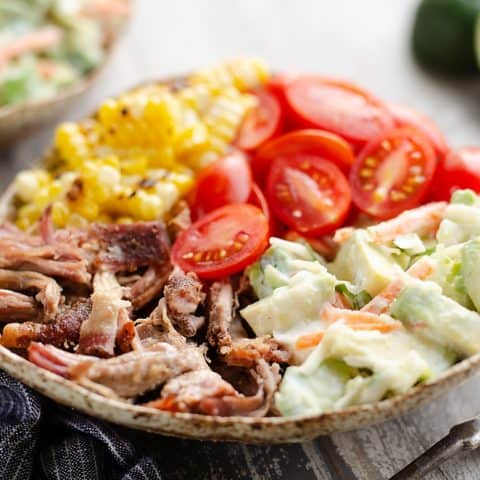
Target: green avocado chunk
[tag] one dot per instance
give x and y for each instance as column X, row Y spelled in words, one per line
column 424, row 310
column 364, row 264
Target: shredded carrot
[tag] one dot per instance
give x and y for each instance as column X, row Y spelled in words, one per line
column 358, row 320
column 47, row 68
column 107, row 8
column 309, row 340
column 423, row 220
column 421, row 269
column 42, row 39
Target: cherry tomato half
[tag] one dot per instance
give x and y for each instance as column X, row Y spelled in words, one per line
column 223, row 242
column 460, row 169
column 308, row 141
column 258, row 199
column 262, row 123
column 226, row 181
column 393, row 172
column 406, row 116
column 309, row 194
column 338, row 107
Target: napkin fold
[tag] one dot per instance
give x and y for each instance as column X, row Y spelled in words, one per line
column 42, row 440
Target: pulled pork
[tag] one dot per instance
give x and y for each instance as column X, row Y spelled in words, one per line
column 104, row 307
column 206, row 392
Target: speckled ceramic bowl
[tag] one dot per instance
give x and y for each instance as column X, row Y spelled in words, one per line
column 243, row 429
column 17, row 121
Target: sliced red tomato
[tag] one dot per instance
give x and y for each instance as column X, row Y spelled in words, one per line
column 406, row 116
column 393, row 172
column 320, row 143
column 460, row 169
column 226, row 181
column 258, row 199
column 307, row 193
column 262, row 123
column 338, row 107
column 223, row 242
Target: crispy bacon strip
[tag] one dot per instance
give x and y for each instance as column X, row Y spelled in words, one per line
column 99, row 331
column 53, row 359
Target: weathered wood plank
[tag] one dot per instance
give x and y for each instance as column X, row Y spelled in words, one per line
column 378, row 452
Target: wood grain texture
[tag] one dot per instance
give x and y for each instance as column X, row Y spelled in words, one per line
column 367, row 42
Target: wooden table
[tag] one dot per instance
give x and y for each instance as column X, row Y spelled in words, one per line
column 367, row 42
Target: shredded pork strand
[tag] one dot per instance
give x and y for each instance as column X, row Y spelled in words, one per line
column 221, row 313
column 183, row 295
column 149, row 286
column 17, row 307
column 99, row 331
column 135, row 373
column 206, row 392
column 49, row 291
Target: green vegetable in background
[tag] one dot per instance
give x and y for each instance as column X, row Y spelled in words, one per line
column 444, row 35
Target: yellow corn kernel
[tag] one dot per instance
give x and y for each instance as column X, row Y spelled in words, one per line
column 29, row 182
column 241, row 73
column 125, row 220
column 183, row 180
column 77, row 221
column 88, row 209
column 27, row 215
column 147, row 206
column 60, row 214
column 71, row 143
column 135, row 165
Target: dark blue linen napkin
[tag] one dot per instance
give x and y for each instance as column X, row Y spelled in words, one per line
column 42, row 440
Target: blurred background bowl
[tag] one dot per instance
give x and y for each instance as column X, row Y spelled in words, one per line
column 18, row 121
